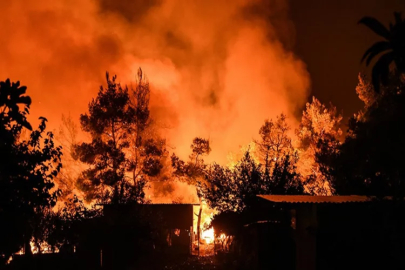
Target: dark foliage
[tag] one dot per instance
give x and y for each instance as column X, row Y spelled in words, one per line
column 228, row 222
column 371, row 159
column 274, row 143
column 147, row 149
column 227, row 189
column 29, row 165
column 123, row 153
column 192, row 171
column 393, row 48
column 109, row 122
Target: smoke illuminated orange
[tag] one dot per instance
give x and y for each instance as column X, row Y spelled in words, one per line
column 215, row 73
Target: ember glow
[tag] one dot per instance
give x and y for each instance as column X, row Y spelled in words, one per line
column 44, row 248
column 208, row 235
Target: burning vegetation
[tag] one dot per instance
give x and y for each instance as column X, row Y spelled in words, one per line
column 131, row 147
column 125, row 160
column 125, row 155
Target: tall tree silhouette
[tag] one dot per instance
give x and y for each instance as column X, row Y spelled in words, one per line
column 108, row 122
column 147, row 149
column 274, row 144
column 393, row 48
column 125, row 151
column 29, row 165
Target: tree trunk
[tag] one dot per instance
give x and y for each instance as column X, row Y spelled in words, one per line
column 199, row 228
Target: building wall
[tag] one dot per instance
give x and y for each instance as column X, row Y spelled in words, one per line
column 305, row 236
column 135, row 231
column 350, row 236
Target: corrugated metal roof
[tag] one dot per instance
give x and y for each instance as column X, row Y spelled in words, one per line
column 315, row 199
column 172, row 204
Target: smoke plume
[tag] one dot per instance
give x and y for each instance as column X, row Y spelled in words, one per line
column 217, row 69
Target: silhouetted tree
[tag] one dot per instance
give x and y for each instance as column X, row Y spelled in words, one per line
column 285, row 179
column 63, row 228
column 393, row 48
column 193, row 170
column 147, row 149
column 226, row 189
column 108, row 122
column 370, row 161
column 123, row 152
column 27, row 170
column 227, row 222
column 233, row 192
column 274, row 143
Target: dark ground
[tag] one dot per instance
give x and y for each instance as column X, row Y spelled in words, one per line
column 156, row 262
column 186, row 263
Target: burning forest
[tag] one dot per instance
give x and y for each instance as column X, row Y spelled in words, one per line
column 132, row 131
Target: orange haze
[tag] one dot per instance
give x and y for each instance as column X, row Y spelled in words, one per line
column 217, row 69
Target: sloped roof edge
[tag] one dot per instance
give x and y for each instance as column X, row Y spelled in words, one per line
column 315, row 199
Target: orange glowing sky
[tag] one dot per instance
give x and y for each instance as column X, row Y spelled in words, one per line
column 217, row 68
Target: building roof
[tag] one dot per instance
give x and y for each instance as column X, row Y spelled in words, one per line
column 315, row 199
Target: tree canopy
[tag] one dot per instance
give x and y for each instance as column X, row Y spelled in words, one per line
column 123, row 152
column 369, row 162
column 392, row 49
column 26, row 175
column 319, row 132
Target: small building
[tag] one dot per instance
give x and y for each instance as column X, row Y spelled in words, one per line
column 173, row 221
column 326, row 232
column 138, row 230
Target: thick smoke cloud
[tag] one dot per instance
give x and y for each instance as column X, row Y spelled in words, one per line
column 217, row 68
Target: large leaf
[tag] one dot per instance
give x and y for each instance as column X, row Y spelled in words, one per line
column 5, row 90
column 376, row 26
column 27, row 125
column 18, row 91
column 398, row 17
column 24, row 99
column 380, row 70
column 374, row 50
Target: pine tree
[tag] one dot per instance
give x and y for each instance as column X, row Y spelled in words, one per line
column 319, row 129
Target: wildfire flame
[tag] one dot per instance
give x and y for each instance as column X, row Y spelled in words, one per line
column 221, row 60
column 208, row 236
